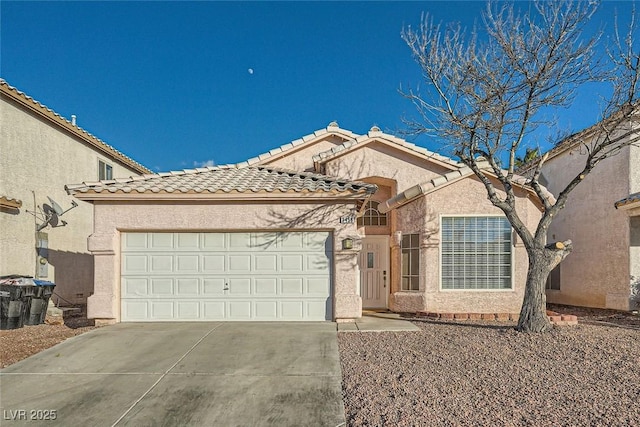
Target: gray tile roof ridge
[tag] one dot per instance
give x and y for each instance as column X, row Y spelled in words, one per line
column 67, row 122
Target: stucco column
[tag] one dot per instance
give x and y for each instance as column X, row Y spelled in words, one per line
column 103, row 304
column 348, row 302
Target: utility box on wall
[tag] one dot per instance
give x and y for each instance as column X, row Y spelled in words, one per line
column 42, row 249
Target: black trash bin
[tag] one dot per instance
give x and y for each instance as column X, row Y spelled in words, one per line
column 14, row 303
column 40, row 302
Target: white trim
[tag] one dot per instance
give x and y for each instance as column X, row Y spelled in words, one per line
column 440, row 289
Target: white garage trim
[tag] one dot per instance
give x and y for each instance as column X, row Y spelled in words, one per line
column 258, row 276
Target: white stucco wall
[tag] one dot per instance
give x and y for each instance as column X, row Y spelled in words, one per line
column 37, row 159
column 596, row 273
column 116, row 217
column 464, row 197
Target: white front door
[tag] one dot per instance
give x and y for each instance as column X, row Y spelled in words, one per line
column 374, row 271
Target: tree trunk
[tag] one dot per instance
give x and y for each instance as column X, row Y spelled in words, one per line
column 533, row 316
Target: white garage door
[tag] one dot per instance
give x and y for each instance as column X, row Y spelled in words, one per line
column 226, row 276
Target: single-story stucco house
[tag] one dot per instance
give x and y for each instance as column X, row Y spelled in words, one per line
column 318, row 229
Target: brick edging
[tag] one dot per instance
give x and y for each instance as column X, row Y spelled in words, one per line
column 555, row 318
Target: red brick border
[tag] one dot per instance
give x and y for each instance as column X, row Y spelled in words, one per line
column 555, row 318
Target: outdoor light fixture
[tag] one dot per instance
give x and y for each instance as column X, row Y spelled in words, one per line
column 347, row 243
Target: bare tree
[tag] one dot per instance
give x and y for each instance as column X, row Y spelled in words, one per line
column 487, row 92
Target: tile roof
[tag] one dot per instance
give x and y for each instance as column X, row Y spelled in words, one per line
column 632, row 199
column 331, row 129
column 376, row 134
column 56, row 118
column 439, row 182
column 224, row 179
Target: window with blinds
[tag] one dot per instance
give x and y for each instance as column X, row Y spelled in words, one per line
column 476, row 253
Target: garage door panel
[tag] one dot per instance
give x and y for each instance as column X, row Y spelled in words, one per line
column 267, row 286
column 291, row 263
column 161, row 309
column 292, row 286
column 160, row 264
column 293, row 241
column 239, row 310
column 318, row 241
column 317, row 309
column 188, row 310
column 135, row 310
column 239, row 286
column 292, row 310
column 135, row 241
column 161, row 241
column 213, row 310
column 239, row 241
column 188, row 264
column 317, row 263
column 266, row 263
column 213, row 263
column 239, row 263
column 226, row 276
column 187, row 241
column 214, row 242
column 213, row 287
column 266, row 310
column 132, row 264
column 162, row 287
column 318, row 286
column 188, row 287
column 134, row 286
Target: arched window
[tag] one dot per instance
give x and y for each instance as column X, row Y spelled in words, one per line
column 372, row 216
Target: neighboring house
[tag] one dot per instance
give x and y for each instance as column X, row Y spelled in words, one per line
column 601, row 218
column 317, row 229
column 40, row 152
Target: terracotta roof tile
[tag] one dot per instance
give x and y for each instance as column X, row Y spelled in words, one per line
column 225, row 179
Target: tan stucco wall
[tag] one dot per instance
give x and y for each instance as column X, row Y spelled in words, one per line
column 116, row 217
column 376, row 159
column 596, row 273
column 464, row 197
column 39, row 158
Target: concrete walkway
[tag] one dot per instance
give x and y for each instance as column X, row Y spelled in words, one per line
column 176, row 374
column 372, row 321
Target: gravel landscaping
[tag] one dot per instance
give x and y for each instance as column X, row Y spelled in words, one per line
column 474, row 373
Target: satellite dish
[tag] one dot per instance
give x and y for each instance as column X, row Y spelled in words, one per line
column 56, row 207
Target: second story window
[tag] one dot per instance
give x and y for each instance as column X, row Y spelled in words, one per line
column 372, row 215
column 105, row 170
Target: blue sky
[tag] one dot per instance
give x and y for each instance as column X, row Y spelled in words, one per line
column 169, row 83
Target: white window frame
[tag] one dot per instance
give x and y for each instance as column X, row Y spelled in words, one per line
column 106, row 166
column 511, row 289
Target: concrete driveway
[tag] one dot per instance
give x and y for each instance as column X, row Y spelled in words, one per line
column 174, row 374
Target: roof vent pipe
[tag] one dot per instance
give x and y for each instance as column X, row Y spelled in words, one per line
column 73, row 119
